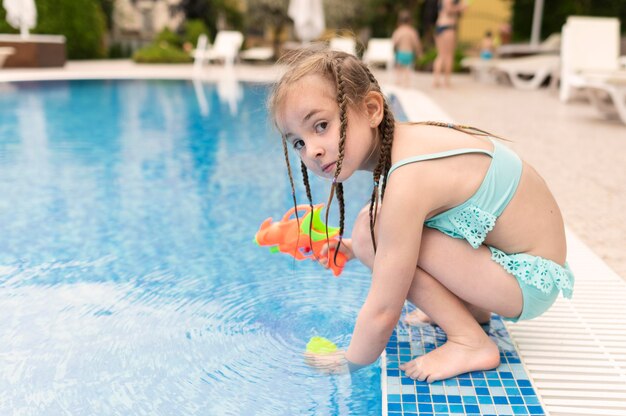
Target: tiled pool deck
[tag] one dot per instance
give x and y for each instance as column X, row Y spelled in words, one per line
column 506, row 390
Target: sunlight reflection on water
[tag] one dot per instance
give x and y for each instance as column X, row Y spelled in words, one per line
column 129, row 282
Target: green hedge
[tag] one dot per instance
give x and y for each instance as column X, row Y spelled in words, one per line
column 193, row 29
column 81, row 21
column 425, row 63
column 159, row 53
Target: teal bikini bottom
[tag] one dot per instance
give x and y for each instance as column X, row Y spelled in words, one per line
column 540, row 280
column 405, row 58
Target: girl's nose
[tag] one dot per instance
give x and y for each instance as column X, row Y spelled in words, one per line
column 316, row 152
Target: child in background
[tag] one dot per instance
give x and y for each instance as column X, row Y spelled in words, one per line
column 487, row 46
column 457, row 223
column 407, row 46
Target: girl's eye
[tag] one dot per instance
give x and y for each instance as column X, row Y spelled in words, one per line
column 298, row 144
column 321, row 127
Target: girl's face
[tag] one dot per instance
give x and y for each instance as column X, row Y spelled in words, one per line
column 309, row 119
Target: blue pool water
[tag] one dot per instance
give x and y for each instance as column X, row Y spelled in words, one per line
column 129, row 282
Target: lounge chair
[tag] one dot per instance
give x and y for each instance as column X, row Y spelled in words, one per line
column 551, row 45
column 530, row 72
column 589, row 51
column 257, row 54
column 5, row 52
column 527, row 72
column 607, row 93
column 225, row 48
column 347, row 45
column 379, row 51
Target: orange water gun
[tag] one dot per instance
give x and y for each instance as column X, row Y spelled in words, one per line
column 287, row 236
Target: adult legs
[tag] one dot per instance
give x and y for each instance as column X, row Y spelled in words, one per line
column 438, row 63
column 447, row 42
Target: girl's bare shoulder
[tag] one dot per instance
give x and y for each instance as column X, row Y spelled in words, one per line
column 421, row 139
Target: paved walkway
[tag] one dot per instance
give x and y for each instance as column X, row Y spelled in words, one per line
column 580, row 155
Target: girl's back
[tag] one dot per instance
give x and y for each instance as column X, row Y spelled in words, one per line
column 531, row 222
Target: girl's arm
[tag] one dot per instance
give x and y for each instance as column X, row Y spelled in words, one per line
column 407, row 204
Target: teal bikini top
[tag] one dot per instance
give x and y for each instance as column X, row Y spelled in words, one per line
column 474, row 218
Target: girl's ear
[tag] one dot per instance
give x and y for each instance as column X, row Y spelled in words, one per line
column 375, row 108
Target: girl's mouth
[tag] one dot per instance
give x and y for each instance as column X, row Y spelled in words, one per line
column 329, row 167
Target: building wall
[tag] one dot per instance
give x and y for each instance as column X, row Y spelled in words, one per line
column 483, row 15
column 142, row 19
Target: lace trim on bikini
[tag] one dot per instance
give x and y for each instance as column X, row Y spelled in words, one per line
column 473, row 224
column 540, row 273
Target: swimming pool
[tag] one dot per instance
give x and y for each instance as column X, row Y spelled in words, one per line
column 129, row 282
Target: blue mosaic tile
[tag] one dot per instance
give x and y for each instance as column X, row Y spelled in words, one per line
column 505, row 391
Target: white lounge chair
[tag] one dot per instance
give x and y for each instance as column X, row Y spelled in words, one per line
column 607, row 93
column 551, row 45
column 347, row 45
column 527, row 72
column 590, row 47
column 5, row 52
column 530, row 72
column 225, row 48
column 257, row 54
column 379, row 51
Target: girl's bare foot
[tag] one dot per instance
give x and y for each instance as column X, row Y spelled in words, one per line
column 454, row 358
column 416, row 318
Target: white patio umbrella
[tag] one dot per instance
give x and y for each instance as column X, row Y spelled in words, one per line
column 308, row 18
column 535, row 36
column 21, row 14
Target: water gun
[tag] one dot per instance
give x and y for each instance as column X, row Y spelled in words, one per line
column 286, row 236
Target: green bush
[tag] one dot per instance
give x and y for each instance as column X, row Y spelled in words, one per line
column 169, row 37
column 162, row 52
column 193, row 29
column 82, row 22
column 425, row 63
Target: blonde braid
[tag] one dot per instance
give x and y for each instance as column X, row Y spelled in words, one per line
column 385, row 130
column 463, row 129
column 291, row 183
column 307, row 187
column 337, row 188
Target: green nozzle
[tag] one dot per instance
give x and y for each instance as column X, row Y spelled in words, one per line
column 319, row 228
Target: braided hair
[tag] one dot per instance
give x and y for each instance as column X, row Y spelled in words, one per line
column 352, row 81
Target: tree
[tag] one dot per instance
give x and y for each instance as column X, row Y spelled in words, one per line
column 556, row 12
column 82, row 22
column 272, row 13
column 209, row 10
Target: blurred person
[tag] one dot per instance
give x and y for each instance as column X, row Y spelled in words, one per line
column 407, row 46
column 445, row 38
column 487, row 46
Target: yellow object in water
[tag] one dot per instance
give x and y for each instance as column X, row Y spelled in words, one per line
column 320, row 345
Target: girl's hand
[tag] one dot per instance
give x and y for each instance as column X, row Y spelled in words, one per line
column 328, row 363
column 346, row 248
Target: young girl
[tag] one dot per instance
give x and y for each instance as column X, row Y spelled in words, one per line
column 466, row 227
